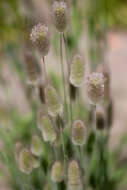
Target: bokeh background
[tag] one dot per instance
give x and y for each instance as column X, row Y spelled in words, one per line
column 98, row 30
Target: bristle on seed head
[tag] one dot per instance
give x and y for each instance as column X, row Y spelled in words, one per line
column 57, row 172
column 95, row 87
column 60, row 15
column 40, row 38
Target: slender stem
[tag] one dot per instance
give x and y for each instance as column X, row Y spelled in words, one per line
column 71, row 113
column 77, row 97
column 62, row 141
column 62, row 70
column 65, row 44
column 54, row 151
column 45, row 70
column 68, row 67
column 94, row 118
column 80, row 156
column 82, row 152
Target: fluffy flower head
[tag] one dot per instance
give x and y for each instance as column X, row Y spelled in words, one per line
column 60, row 15
column 40, row 38
column 95, row 87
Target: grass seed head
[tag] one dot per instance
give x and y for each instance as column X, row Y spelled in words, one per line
column 77, row 71
column 78, row 133
column 40, row 38
column 47, row 128
column 36, row 145
column 25, row 161
column 60, row 15
column 95, row 87
column 74, row 175
column 53, row 103
column 57, row 172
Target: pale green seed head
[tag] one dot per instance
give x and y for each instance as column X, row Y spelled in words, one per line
column 74, row 178
column 57, row 172
column 53, row 103
column 78, row 133
column 36, row 145
column 47, row 128
column 77, row 71
column 25, row 161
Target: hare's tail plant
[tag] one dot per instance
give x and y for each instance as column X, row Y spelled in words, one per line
column 77, row 153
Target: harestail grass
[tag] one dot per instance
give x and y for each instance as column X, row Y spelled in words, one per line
column 66, row 145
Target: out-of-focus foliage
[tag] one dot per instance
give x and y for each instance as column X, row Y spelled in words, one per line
column 10, row 20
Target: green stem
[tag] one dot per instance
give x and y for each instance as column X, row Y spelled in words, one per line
column 77, row 97
column 80, row 156
column 94, row 118
column 62, row 140
column 45, row 70
column 54, row 151
column 68, row 67
column 66, row 47
column 62, row 71
column 81, row 152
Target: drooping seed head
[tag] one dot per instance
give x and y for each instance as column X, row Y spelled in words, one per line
column 53, row 103
column 40, row 38
column 36, row 145
column 47, row 128
column 35, row 161
column 32, row 76
column 25, row 161
column 78, row 133
column 77, row 71
column 57, row 172
column 95, row 87
column 74, row 176
column 60, row 15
